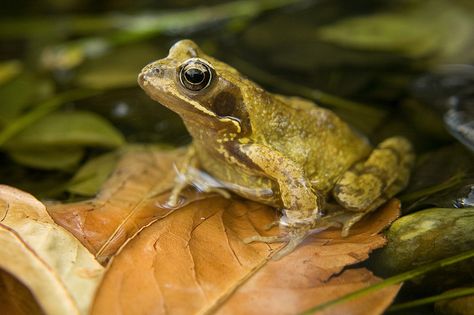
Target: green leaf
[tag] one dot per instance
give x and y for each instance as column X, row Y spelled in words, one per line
column 93, row 174
column 49, row 158
column 67, row 129
column 16, row 125
column 19, row 93
column 425, row 28
column 103, row 72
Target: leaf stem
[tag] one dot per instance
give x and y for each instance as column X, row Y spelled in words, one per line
column 393, row 280
column 443, row 296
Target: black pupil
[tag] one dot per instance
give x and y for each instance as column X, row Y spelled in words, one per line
column 194, row 76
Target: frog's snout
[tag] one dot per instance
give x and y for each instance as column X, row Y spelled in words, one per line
column 148, row 73
column 141, row 79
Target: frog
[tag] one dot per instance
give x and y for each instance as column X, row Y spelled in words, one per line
column 283, row 151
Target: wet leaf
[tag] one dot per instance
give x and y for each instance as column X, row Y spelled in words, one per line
column 439, row 28
column 61, row 274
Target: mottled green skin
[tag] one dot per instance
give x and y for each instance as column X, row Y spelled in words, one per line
column 283, row 151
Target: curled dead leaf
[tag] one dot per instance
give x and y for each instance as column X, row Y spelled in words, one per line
column 60, row 273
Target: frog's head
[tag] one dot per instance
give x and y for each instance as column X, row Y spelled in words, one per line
column 201, row 89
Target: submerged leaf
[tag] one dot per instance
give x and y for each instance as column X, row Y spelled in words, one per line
column 61, row 274
column 436, row 27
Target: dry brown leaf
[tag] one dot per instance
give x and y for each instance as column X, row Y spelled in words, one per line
column 59, row 272
column 195, row 262
column 306, row 277
column 133, row 196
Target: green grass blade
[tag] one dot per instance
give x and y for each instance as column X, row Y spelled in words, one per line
column 443, row 296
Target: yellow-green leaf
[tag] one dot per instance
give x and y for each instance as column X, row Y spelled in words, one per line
column 75, row 128
column 425, row 28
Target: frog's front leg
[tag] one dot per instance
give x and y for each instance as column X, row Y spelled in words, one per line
column 370, row 183
column 302, row 205
column 187, row 173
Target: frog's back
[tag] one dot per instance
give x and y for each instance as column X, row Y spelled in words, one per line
column 312, row 136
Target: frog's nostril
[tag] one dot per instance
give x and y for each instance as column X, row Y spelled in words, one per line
column 155, row 71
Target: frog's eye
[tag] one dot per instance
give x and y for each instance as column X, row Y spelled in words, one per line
column 195, row 75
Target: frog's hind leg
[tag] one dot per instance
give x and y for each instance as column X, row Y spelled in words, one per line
column 370, row 183
column 292, row 242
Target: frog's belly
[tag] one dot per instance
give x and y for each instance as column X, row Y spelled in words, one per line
column 263, row 192
column 243, row 182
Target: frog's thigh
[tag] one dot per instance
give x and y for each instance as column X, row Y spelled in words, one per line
column 382, row 175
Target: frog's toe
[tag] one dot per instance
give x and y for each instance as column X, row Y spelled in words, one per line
column 347, row 225
column 293, row 242
column 266, row 239
column 271, row 225
column 172, row 200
